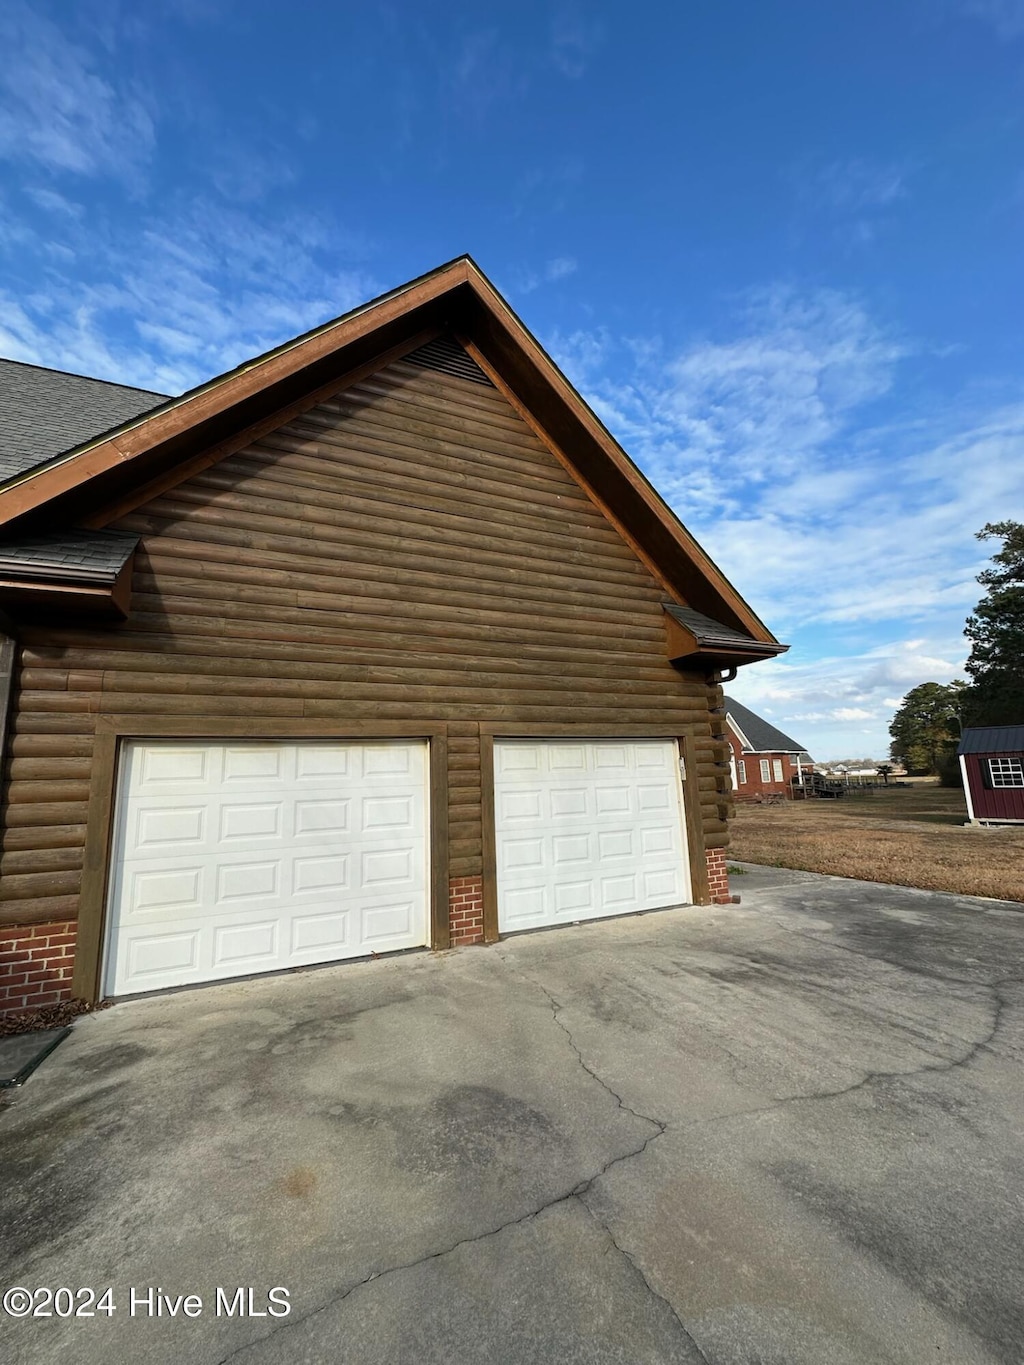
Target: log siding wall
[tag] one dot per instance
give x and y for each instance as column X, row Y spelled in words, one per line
column 407, row 551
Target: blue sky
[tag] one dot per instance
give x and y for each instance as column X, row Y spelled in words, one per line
column 777, row 245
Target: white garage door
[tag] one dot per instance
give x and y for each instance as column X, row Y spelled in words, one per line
column 585, row 829
column 231, row 859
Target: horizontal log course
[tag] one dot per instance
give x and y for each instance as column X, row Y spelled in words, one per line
column 506, row 593
column 468, row 865
column 45, row 910
column 38, row 838
column 54, row 793
column 62, row 746
column 49, row 769
column 40, row 860
column 305, row 634
column 33, row 886
column 138, row 650
column 376, row 546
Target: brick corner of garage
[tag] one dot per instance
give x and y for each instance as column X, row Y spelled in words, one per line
column 36, row 962
column 466, row 910
column 718, row 876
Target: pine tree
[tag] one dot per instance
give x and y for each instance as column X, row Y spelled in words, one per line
column 927, row 726
column 996, row 633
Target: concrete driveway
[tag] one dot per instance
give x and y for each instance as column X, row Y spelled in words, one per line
column 783, row 1132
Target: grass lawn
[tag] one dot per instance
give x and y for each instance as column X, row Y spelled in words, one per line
column 911, row 836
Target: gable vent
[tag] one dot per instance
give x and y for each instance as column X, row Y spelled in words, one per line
column 445, row 354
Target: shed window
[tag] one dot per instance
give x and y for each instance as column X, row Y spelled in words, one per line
column 1006, row 772
column 777, row 769
column 743, row 772
column 766, row 770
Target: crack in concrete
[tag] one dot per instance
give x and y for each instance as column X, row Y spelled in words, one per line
column 578, row 1190
column 944, row 978
column 638, row 1270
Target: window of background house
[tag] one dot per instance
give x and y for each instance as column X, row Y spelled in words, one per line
column 743, row 772
column 766, row 770
column 777, row 769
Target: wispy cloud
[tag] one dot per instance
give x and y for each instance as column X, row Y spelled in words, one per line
column 775, row 443
column 1005, row 16
column 841, row 705
column 171, row 301
column 855, row 185
column 559, row 268
column 575, row 38
column 57, row 110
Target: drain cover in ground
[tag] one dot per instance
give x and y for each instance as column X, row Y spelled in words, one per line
column 22, row 1053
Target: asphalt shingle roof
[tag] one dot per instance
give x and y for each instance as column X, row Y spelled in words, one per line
column 762, row 737
column 46, row 412
column 992, row 739
column 712, row 634
column 90, row 556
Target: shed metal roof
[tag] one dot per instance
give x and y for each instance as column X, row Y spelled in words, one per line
column 992, row 739
column 761, row 737
column 46, row 412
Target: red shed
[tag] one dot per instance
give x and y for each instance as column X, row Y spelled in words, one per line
column 992, row 768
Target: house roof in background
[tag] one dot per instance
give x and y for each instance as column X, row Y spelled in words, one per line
column 761, row 737
column 45, row 412
column 992, row 739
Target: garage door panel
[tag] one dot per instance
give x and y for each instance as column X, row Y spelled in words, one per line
column 160, row 770
column 568, row 803
column 152, row 958
column 238, row 882
column 209, row 884
column 245, row 764
column 609, row 841
column 244, row 947
column 167, row 827
column 326, row 933
column 617, row 843
column 566, row 758
column 571, row 848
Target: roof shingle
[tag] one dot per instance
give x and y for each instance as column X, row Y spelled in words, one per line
column 44, row 413
column 762, row 737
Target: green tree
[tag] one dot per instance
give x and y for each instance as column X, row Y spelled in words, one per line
column 996, row 633
column 927, row 726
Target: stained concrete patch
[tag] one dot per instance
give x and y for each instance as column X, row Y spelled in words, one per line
column 21, row 1053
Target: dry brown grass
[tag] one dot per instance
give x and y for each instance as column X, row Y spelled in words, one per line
column 909, row 836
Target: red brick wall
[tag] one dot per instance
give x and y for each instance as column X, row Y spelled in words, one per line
column 466, row 910
column 718, row 876
column 35, row 965
column 754, row 788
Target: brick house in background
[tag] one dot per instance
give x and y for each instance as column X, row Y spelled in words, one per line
column 763, row 761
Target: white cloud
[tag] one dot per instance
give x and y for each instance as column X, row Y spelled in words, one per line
column 1005, row 16
column 856, row 185
column 841, row 703
column 171, row 302
column 841, row 527
column 57, row 110
column 574, row 40
column 559, row 268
